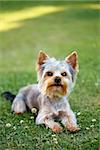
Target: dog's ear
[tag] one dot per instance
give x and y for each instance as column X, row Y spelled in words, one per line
column 72, row 59
column 41, row 59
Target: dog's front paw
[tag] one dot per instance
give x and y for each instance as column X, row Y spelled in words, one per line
column 72, row 128
column 18, row 113
column 56, row 128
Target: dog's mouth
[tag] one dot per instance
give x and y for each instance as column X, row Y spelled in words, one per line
column 56, row 90
column 55, row 85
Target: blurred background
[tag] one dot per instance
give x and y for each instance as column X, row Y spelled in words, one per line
column 55, row 27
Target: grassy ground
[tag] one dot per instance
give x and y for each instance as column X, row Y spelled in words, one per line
column 62, row 28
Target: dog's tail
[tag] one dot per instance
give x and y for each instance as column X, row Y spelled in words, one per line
column 8, row 96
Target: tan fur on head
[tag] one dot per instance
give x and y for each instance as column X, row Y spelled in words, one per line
column 49, row 88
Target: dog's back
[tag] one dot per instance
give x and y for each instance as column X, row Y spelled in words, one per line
column 27, row 97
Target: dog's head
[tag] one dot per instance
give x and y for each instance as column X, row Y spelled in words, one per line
column 56, row 78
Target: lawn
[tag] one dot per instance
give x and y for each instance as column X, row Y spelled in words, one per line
column 57, row 28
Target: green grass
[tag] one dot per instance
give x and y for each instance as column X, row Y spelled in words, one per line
column 57, row 33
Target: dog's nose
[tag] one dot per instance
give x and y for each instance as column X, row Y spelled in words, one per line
column 57, row 80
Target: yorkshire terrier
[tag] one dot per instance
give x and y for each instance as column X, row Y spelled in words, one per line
column 56, row 80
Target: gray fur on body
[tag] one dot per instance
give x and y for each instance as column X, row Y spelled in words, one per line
column 31, row 97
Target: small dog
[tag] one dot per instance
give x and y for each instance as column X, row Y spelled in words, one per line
column 56, row 80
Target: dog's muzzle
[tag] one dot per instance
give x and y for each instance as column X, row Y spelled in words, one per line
column 57, row 80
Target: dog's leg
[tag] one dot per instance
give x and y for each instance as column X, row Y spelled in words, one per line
column 54, row 126
column 69, row 121
column 18, row 105
column 47, row 119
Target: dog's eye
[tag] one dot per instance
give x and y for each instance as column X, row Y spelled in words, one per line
column 64, row 74
column 49, row 73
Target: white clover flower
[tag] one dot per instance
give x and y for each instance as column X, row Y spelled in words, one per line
column 87, row 128
column 78, row 114
column 34, row 110
column 93, row 120
column 14, row 128
column 21, row 121
column 72, row 136
column 8, row 125
column 55, row 140
column 32, row 117
column 92, row 125
column 53, row 135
